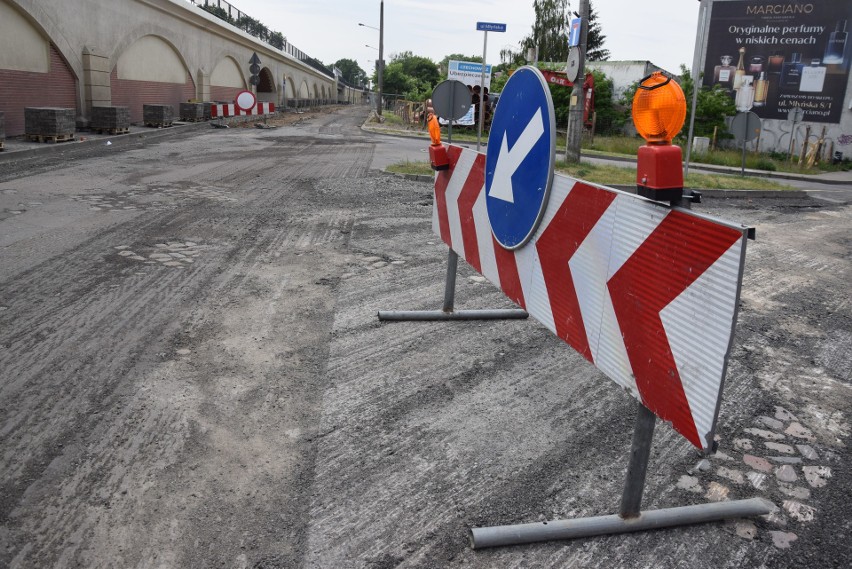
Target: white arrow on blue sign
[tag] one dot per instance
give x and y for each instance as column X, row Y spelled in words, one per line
column 520, row 157
column 490, row 27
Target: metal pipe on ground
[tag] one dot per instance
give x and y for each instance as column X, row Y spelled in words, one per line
column 498, row 536
column 434, row 315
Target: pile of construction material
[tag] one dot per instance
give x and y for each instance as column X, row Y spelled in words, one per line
column 49, row 124
column 192, row 112
column 157, row 116
column 2, row 130
column 110, row 120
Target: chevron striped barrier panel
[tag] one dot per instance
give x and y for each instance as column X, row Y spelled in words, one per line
column 646, row 293
column 218, row 110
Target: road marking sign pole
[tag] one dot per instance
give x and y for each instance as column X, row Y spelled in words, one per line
column 484, row 27
column 444, row 102
column 628, row 282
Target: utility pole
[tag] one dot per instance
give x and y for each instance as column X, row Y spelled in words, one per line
column 696, row 79
column 381, row 54
column 578, row 98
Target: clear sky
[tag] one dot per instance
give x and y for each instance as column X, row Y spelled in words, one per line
column 661, row 31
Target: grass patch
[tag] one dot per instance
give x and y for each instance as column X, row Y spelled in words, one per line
column 421, row 168
column 617, row 176
column 391, row 119
column 733, row 158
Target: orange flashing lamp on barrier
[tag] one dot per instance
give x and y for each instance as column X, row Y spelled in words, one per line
column 437, row 152
column 659, row 111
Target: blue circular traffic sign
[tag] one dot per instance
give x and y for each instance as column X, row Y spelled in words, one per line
column 520, row 156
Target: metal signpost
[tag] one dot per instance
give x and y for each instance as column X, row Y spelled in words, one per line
column 574, row 134
column 795, row 116
column 484, row 27
column 451, row 101
column 254, row 69
column 626, row 281
column 745, row 127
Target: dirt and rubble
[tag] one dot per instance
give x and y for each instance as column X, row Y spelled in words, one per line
column 193, row 374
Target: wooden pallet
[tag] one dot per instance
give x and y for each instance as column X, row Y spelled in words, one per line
column 124, row 130
column 191, row 119
column 158, row 125
column 49, row 137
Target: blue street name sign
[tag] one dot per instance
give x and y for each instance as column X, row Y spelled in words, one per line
column 490, row 27
column 520, row 156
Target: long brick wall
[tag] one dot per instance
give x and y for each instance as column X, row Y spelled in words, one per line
column 224, row 94
column 21, row 89
column 134, row 94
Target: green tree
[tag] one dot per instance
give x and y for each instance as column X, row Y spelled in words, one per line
column 395, row 80
column 253, row 27
column 550, row 34
column 713, row 106
column 550, row 30
column 218, row 11
column 277, row 39
column 419, row 68
column 352, row 72
column 610, row 118
column 498, row 82
column 412, row 76
column 595, row 39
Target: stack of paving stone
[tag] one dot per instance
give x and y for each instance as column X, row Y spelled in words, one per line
column 207, row 115
column 192, row 112
column 112, row 120
column 157, row 115
column 51, row 124
column 2, row 130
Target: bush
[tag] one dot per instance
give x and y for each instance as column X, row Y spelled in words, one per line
column 765, row 164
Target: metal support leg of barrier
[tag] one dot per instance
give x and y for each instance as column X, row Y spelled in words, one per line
column 631, row 518
column 448, row 312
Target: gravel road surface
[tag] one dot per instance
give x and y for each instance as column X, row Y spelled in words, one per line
column 192, row 374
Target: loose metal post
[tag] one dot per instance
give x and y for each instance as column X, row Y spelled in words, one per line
column 630, row 518
column 450, row 288
column 634, row 486
column 481, row 538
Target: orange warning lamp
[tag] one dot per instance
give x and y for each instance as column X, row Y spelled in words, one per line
column 659, row 111
column 437, row 153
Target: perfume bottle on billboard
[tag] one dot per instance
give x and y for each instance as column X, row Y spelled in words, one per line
column 835, row 49
column 745, row 95
column 813, row 78
column 791, row 72
column 776, row 60
column 724, row 74
column 739, row 74
column 761, row 90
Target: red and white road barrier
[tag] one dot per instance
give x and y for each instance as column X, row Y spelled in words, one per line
column 647, row 293
column 232, row 110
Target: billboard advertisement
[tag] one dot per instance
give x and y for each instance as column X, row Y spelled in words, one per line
column 468, row 72
column 774, row 56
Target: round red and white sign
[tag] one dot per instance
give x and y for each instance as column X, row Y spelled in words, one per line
column 245, row 100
